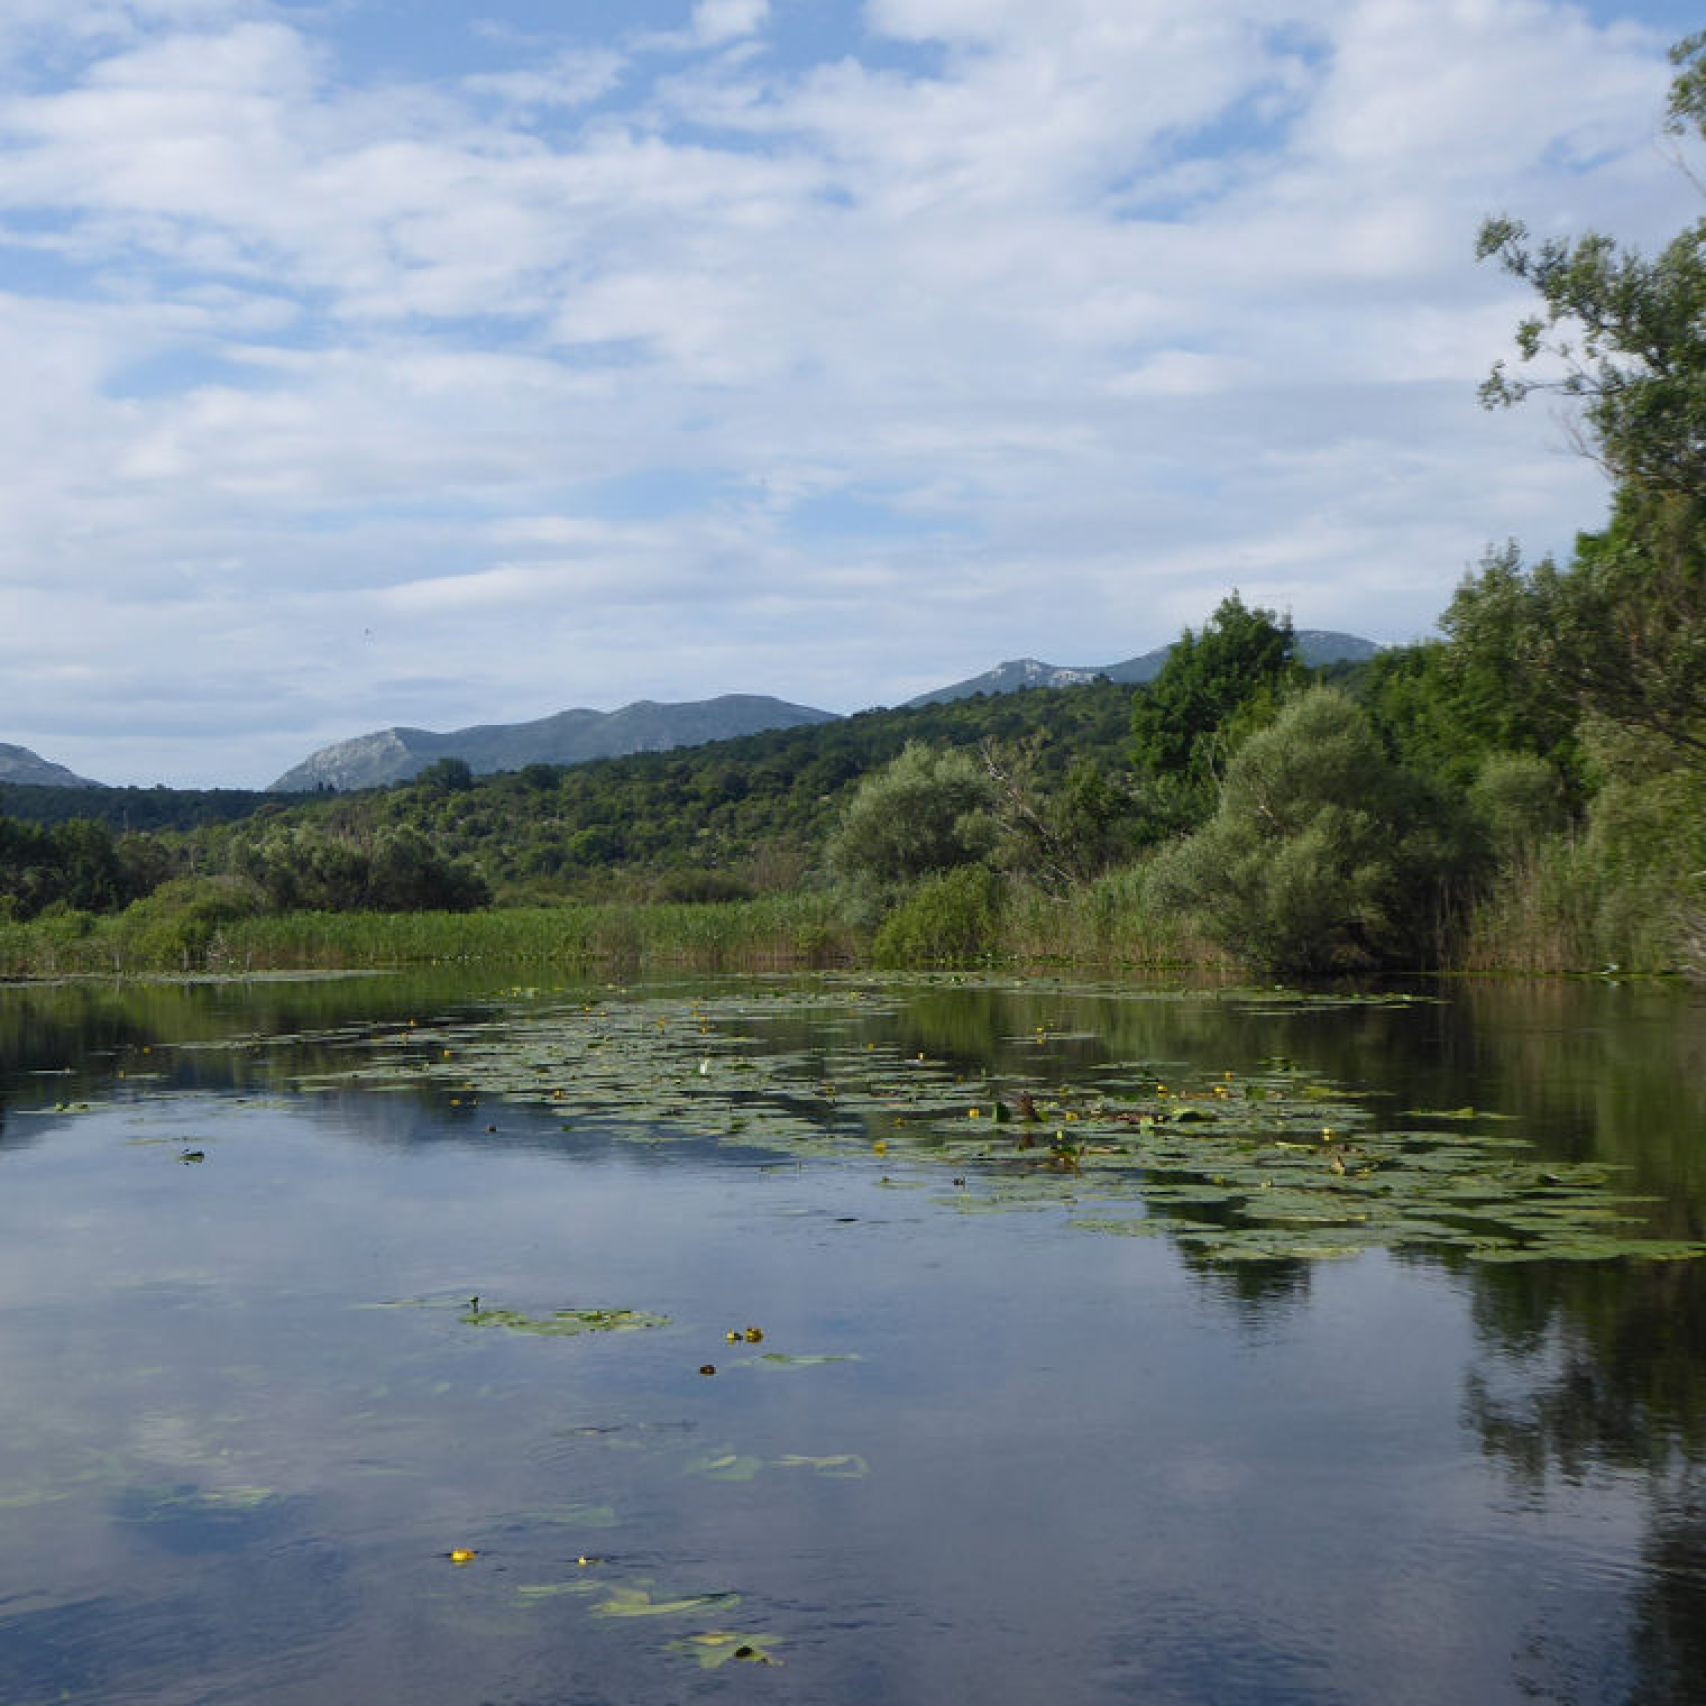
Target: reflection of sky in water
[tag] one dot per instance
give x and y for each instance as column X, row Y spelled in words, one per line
column 226, row 1473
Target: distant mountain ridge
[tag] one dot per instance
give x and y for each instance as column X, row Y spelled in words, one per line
column 19, row 764
column 569, row 737
column 579, row 736
column 1315, row 646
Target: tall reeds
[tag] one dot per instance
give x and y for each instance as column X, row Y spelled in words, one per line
column 773, row 932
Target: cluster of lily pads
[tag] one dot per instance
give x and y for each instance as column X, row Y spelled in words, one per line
column 710, row 1648
column 1235, row 1166
column 638, row 1597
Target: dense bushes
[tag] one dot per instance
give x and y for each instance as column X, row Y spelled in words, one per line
column 926, row 812
column 74, row 865
column 179, row 923
column 1625, row 889
column 1322, row 855
column 951, row 919
column 301, row 869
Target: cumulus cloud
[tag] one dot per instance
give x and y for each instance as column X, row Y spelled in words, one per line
column 569, row 80
column 829, row 371
column 716, row 21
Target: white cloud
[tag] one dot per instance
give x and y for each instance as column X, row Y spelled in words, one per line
column 718, row 21
column 831, row 380
column 570, row 80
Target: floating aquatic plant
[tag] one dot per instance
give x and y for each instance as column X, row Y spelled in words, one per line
column 565, row 1323
column 844, row 1466
column 717, row 1647
column 636, row 1601
column 1273, row 1164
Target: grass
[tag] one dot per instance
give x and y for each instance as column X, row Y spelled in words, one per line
column 775, row 932
column 1106, row 925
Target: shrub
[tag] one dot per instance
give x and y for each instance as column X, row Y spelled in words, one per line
column 1320, row 856
column 946, row 920
column 699, row 888
column 176, row 927
column 1517, row 801
column 925, row 812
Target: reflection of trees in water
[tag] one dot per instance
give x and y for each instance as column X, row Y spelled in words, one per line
column 1207, row 1031
column 1614, row 1358
column 1256, row 1290
column 1670, row 1628
column 89, row 1032
column 1603, row 1368
column 1608, row 1073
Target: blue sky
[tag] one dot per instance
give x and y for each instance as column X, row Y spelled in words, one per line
column 402, row 361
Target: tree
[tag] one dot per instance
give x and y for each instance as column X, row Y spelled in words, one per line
column 1441, row 710
column 447, row 776
column 1212, row 689
column 1626, row 335
column 1322, row 854
column 1622, row 631
column 925, row 812
column 406, row 873
column 1063, row 835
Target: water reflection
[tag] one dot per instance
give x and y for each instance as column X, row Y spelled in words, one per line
column 245, row 1418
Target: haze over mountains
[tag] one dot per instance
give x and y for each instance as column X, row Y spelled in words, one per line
column 579, row 736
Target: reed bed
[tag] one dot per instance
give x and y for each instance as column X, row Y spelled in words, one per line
column 777, row 932
column 1105, row 925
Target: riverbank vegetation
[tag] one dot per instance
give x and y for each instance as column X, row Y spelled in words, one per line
column 1393, row 815
column 1526, row 792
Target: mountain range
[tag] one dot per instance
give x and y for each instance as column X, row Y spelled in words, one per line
column 570, row 737
column 576, row 737
column 1315, row 647
column 19, row 764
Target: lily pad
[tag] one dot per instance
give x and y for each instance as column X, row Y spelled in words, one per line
column 718, row 1647
column 532, row 1592
column 726, row 1466
column 846, row 1466
column 566, row 1323
column 1272, row 1164
column 637, row 1602
column 779, row 1359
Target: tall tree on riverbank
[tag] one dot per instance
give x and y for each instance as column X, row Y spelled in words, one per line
column 1617, row 638
column 1215, row 688
column 1621, row 632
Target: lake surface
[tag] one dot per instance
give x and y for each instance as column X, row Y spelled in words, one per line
column 1039, row 1409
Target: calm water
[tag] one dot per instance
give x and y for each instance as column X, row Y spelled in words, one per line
column 246, row 1414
